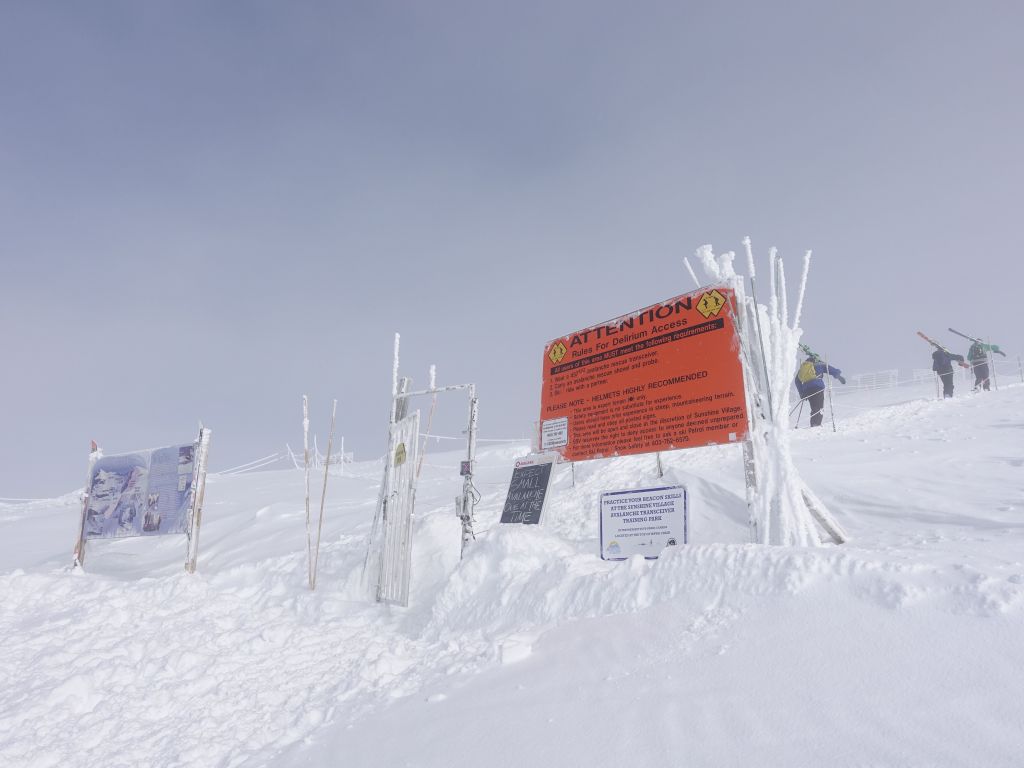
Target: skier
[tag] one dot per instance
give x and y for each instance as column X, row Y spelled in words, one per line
column 942, row 364
column 810, row 383
column 978, row 355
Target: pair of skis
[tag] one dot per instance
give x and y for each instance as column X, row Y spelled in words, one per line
column 939, row 346
column 807, row 351
column 992, row 347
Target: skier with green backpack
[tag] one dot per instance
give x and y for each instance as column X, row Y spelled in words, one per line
column 978, row 355
column 810, row 383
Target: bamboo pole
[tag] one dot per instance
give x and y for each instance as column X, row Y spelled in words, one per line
column 828, row 389
column 305, row 466
column 323, row 499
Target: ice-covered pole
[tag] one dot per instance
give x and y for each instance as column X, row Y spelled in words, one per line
column 784, row 511
column 693, row 274
column 803, row 290
column 95, row 454
column 394, row 381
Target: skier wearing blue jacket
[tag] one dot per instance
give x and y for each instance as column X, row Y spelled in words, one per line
column 810, row 383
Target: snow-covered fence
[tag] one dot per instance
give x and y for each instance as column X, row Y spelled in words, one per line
column 317, row 459
column 251, row 466
column 1001, row 370
column 876, row 380
column 1009, row 369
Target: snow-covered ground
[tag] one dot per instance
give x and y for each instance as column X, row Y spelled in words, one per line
column 904, row 647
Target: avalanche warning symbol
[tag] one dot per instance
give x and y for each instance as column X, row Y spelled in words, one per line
column 711, row 303
column 557, row 352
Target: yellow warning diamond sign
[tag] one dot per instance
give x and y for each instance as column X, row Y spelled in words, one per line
column 711, row 303
column 557, row 352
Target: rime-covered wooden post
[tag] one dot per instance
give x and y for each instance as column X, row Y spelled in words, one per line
column 198, row 494
column 783, row 510
column 79, row 554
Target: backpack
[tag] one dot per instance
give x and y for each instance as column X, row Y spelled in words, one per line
column 806, row 372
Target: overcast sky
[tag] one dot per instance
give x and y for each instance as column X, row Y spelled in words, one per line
column 208, row 209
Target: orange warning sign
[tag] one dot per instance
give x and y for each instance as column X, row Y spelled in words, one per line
column 668, row 376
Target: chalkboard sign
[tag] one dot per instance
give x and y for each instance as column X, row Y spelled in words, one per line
column 528, row 490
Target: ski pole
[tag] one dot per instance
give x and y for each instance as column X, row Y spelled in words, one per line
column 828, row 389
column 799, row 404
column 992, row 366
column 799, row 414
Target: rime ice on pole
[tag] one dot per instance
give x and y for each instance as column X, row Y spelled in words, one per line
column 783, row 509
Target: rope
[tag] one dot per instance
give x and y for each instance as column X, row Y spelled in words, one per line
column 254, row 464
column 481, row 439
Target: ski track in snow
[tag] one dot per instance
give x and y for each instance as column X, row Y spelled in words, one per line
column 134, row 663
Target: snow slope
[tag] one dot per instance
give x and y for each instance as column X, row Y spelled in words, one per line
column 904, row 647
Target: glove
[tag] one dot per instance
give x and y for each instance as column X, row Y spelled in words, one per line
column 841, row 379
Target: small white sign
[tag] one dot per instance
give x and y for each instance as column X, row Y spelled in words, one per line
column 554, row 433
column 643, row 521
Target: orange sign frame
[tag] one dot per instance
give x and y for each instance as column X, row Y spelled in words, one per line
column 665, row 377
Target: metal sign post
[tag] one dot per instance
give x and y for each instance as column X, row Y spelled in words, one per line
column 468, row 495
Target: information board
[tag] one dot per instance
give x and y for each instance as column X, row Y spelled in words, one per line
column 668, row 376
column 643, row 521
column 147, row 493
column 528, row 490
